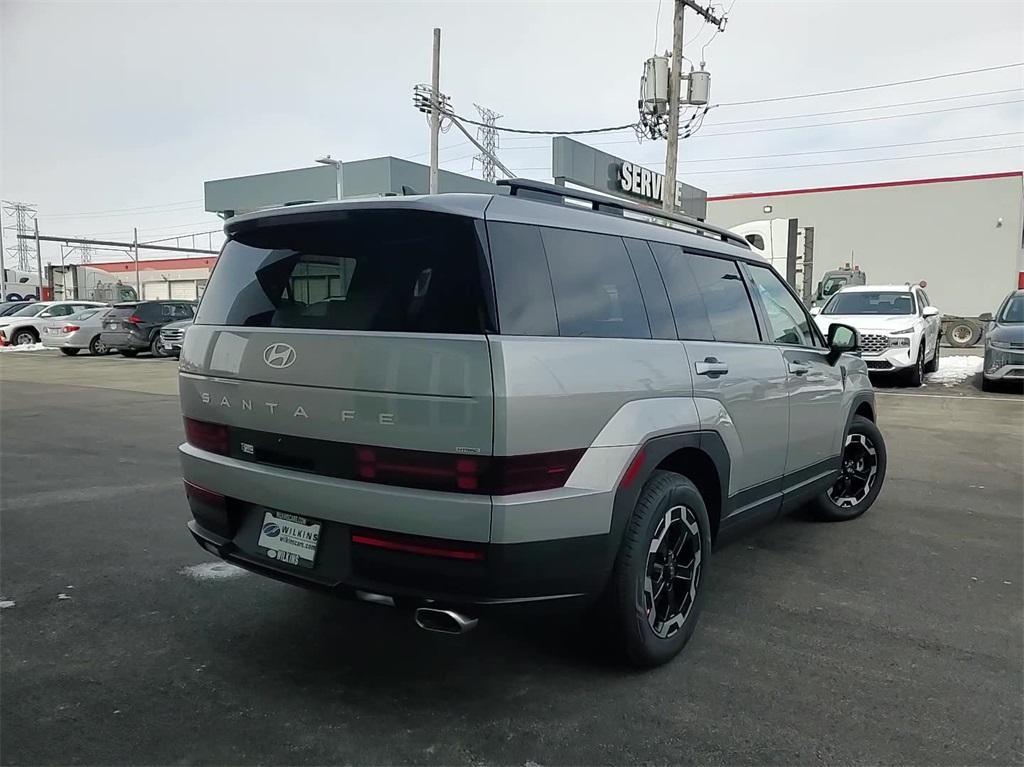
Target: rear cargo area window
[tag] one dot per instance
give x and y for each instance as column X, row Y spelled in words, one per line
column 395, row 270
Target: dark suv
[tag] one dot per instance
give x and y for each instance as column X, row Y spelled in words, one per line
column 134, row 326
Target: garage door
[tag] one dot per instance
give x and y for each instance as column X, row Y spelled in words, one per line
column 155, row 291
column 183, row 290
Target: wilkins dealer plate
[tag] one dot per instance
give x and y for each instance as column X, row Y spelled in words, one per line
column 289, row 539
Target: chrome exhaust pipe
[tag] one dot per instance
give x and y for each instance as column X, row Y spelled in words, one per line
column 444, row 621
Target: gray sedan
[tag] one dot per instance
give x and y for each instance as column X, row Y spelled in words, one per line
column 76, row 331
column 1004, row 344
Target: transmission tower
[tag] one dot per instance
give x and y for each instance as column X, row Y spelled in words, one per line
column 18, row 217
column 487, row 135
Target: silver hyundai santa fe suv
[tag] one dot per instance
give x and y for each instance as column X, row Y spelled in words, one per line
column 541, row 397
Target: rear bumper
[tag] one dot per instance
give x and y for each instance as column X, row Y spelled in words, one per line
column 121, row 340
column 541, row 575
column 551, row 569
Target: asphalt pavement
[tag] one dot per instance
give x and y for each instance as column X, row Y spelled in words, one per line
column 895, row 638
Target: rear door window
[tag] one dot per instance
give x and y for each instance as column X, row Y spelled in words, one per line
column 684, row 294
column 725, row 298
column 382, row 270
column 595, row 287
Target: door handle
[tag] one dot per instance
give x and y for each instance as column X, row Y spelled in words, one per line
column 799, row 369
column 711, row 367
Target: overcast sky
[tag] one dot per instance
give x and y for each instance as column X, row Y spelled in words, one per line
column 114, row 106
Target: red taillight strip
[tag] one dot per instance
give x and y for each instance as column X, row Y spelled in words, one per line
column 201, row 494
column 408, row 546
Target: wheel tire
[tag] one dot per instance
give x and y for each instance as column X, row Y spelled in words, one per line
column 915, row 375
column 933, row 364
column 626, row 610
column 128, row 352
column 963, row 334
column 156, row 348
column 25, row 337
column 828, row 510
column 97, row 348
column 69, row 352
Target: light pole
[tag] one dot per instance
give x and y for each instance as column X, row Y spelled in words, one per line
column 328, row 160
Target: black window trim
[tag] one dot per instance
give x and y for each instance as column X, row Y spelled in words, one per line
column 762, row 312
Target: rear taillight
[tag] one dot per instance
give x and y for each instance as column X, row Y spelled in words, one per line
column 486, row 475
column 3, row 339
column 71, row 328
column 529, row 473
column 212, row 437
column 135, row 319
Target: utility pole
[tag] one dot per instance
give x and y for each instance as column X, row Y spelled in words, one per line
column 135, row 250
column 669, row 187
column 435, row 108
column 3, row 270
column 39, row 262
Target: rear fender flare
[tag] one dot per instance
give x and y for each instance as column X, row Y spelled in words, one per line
column 653, row 452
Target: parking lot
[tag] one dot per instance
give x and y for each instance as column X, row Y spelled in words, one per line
column 896, row 638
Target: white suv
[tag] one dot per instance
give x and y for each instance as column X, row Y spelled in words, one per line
column 899, row 328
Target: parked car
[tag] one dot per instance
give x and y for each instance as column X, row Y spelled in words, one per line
column 25, row 326
column 899, row 328
column 10, row 307
column 1004, row 344
column 461, row 403
column 134, row 326
column 77, row 331
column 172, row 336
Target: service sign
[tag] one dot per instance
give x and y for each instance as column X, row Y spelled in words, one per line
column 642, row 182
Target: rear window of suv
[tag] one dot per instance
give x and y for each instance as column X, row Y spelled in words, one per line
column 396, row 270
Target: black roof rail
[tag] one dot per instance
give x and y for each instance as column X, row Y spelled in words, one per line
column 552, row 193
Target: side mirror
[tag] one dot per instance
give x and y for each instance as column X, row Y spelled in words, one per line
column 815, row 311
column 986, row 317
column 841, row 339
column 930, row 311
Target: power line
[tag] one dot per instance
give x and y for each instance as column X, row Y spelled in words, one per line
column 867, row 109
column 546, row 132
column 821, row 164
column 864, row 119
column 871, row 87
column 855, row 162
column 113, row 211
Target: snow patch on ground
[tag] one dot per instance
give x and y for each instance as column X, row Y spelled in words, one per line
column 23, row 348
column 5, row 603
column 212, row 571
column 954, row 370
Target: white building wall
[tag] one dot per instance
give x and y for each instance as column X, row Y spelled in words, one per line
column 945, row 232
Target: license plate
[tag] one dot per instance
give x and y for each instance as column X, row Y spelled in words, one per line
column 51, row 331
column 289, row 539
column 110, row 326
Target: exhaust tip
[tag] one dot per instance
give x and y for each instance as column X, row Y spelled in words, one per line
column 444, row 621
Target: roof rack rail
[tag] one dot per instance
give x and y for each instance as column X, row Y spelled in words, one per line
column 552, row 193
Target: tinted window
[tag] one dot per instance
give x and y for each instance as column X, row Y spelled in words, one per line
column 787, row 321
column 870, row 302
column 29, row 311
column 522, row 283
column 756, row 241
column 60, row 310
column 684, row 294
column 659, row 313
column 1013, row 310
column 385, row 270
column 596, row 292
column 725, row 299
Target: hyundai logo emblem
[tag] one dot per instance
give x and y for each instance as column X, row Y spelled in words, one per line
column 279, row 356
